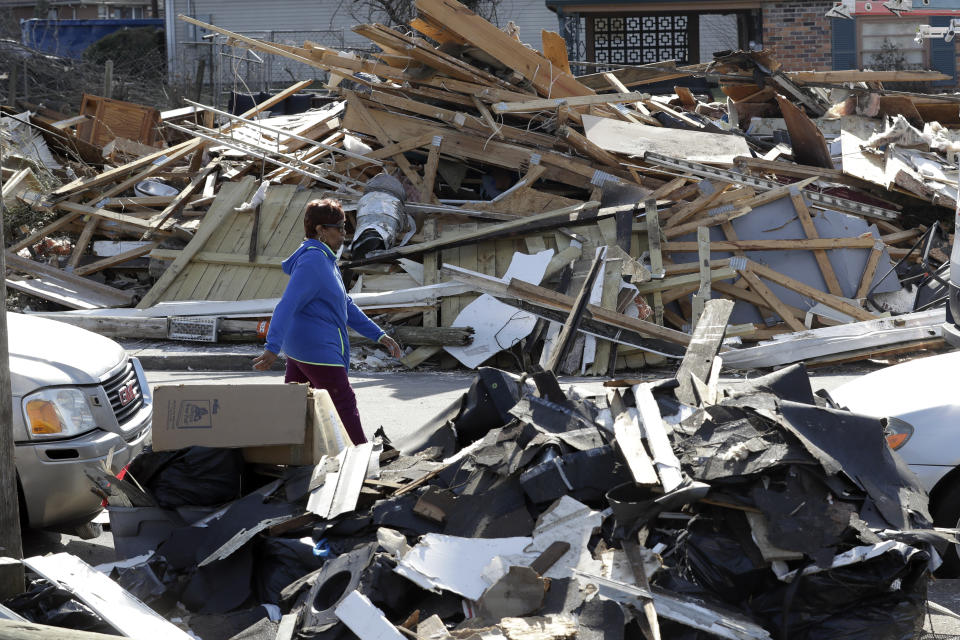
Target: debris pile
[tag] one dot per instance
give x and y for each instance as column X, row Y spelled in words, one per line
column 482, row 181
column 527, row 512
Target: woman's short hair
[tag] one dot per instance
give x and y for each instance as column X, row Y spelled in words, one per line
column 326, row 211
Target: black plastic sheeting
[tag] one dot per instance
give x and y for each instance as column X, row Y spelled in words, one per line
column 196, row 476
column 773, row 485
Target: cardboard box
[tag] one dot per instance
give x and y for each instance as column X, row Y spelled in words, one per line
column 324, row 435
column 225, row 415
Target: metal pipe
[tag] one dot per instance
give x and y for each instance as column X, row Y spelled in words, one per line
column 262, row 153
column 282, row 132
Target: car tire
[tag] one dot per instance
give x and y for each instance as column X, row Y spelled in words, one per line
column 946, row 513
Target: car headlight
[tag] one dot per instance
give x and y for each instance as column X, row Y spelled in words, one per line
column 57, row 413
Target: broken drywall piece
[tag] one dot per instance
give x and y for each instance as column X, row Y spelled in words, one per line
column 634, row 139
column 498, row 326
column 629, row 433
column 365, row 620
column 455, row 564
column 571, row 521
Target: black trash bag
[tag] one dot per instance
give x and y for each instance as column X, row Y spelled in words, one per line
column 152, row 582
column 882, row 598
column 719, row 562
column 46, row 603
column 277, row 563
column 197, row 476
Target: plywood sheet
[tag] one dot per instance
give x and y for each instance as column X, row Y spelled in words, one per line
column 634, row 139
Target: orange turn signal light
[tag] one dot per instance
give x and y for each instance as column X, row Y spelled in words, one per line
column 44, row 419
column 897, row 440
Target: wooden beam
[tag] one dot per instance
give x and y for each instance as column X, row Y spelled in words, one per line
column 354, row 103
column 214, row 257
column 550, row 104
column 762, row 290
column 106, row 295
column 806, row 290
column 698, row 361
column 829, row 276
column 868, row 272
column 430, row 169
column 569, row 330
column 817, row 244
column 111, row 261
column 459, row 20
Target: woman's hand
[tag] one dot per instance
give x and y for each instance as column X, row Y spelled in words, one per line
column 265, row 360
column 391, row 346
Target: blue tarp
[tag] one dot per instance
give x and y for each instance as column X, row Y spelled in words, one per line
column 69, row 38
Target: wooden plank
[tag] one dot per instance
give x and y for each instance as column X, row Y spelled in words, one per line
column 555, row 50
column 854, row 75
column 430, row 169
column 652, row 217
column 560, row 167
column 95, row 212
column 231, row 195
column 732, row 291
column 430, row 267
column 803, row 289
column 703, row 289
column 82, row 242
column 762, row 290
column 114, row 260
column 817, row 244
column 374, row 127
column 704, row 345
column 869, row 270
column 587, row 148
column 580, row 213
column 685, row 210
column 550, row 104
column 569, row 330
column 829, row 276
column 458, row 19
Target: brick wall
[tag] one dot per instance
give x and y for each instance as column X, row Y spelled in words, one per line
column 798, row 34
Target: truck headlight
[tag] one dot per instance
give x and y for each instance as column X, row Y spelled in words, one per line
column 57, row 413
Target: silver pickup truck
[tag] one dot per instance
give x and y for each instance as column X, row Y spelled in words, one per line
column 78, row 400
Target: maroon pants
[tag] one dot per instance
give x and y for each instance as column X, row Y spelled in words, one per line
column 335, row 381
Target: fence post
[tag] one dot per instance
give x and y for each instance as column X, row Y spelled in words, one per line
column 108, row 79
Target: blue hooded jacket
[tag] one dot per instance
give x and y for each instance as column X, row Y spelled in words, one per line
column 310, row 322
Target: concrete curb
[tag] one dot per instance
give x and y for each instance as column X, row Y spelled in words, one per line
column 164, row 356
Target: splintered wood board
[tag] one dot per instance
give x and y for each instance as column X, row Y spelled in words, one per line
column 634, row 139
column 280, row 233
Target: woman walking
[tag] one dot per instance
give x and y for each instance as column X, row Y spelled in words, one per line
column 310, row 322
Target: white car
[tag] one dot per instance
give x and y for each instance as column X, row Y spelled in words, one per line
column 77, row 400
column 918, row 398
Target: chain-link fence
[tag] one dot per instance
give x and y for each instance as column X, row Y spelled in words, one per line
column 211, row 69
